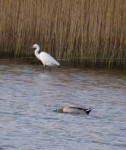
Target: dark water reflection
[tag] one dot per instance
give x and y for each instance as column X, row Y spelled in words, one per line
column 28, row 97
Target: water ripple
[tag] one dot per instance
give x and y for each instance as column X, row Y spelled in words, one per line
column 28, row 99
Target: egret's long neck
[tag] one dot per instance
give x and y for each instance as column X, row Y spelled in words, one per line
column 37, row 52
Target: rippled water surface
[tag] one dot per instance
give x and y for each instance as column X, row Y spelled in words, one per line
column 29, row 96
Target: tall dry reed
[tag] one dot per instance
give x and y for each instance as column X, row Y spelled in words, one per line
column 86, row 31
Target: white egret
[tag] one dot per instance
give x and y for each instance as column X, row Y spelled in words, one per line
column 75, row 110
column 45, row 58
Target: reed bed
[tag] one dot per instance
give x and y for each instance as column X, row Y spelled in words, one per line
column 79, row 31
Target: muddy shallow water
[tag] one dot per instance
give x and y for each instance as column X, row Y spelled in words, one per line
column 29, row 96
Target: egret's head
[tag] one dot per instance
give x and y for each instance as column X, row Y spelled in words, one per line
column 35, row 46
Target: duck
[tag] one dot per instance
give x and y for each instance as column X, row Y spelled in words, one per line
column 74, row 110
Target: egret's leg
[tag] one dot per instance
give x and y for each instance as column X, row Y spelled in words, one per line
column 43, row 68
column 49, row 69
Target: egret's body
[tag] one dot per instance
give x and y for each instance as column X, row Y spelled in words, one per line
column 75, row 110
column 45, row 58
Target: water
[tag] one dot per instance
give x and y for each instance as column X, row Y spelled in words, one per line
column 29, row 96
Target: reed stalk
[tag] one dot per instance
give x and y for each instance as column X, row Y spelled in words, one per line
column 81, row 31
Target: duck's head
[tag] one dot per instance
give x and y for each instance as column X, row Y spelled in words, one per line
column 60, row 110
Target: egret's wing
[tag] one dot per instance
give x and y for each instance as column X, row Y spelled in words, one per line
column 48, row 59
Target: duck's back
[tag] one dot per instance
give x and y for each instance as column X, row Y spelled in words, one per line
column 73, row 110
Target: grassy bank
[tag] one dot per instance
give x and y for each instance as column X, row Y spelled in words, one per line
column 80, row 31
